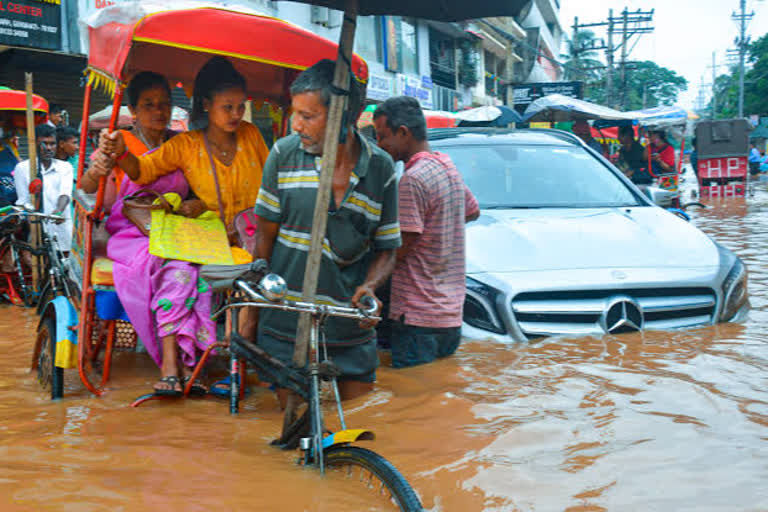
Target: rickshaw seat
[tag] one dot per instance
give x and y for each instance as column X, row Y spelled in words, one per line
column 101, row 272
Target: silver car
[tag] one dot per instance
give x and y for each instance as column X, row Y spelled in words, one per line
column 567, row 245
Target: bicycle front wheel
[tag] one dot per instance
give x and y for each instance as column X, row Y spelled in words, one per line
column 376, row 474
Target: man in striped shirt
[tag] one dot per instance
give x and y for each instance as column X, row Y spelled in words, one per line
column 361, row 238
column 428, row 284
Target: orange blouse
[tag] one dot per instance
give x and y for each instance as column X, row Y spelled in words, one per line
column 239, row 182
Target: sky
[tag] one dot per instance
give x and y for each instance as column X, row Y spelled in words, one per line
column 686, row 33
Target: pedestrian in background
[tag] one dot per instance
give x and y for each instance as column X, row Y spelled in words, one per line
column 754, row 159
column 67, row 140
column 583, row 131
column 55, row 116
column 428, row 283
column 58, row 179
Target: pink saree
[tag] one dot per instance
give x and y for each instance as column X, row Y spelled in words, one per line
column 161, row 297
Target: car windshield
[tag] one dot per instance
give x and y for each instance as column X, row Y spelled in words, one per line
column 537, row 176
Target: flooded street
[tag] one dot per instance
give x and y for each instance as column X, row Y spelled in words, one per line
column 670, row 421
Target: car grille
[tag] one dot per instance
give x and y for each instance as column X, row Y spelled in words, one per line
column 580, row 312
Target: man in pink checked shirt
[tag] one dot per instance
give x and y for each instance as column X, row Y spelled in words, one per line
column 428, row 284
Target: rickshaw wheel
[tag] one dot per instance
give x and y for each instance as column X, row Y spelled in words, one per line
column 48, row 375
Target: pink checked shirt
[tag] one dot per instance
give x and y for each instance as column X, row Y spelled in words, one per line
column 428, row 285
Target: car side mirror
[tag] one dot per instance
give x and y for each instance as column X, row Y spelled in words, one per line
column 660, row 197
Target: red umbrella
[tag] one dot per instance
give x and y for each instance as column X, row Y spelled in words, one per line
column 13, row 107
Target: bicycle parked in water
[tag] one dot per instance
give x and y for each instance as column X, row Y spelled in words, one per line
column 329, row 452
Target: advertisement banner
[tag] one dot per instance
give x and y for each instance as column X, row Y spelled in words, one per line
column 525, row 94
column 31, row 23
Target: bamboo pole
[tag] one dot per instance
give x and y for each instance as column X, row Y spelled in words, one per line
column 333, row 140
column 32, row 151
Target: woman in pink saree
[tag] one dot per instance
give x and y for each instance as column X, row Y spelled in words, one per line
column 166, row 302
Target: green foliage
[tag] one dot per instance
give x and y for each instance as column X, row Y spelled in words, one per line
column 755, row 85
column 581, row 63
column 647, row 84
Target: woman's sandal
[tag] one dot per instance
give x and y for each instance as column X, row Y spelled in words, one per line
column 197, row 389
column 172, row 381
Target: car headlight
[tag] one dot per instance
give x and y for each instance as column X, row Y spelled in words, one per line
column 480, row 307
column 734, row 290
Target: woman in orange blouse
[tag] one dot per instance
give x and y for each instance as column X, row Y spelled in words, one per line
column 227, row 150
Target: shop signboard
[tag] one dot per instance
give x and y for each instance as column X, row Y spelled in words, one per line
column 31, row 23
column 379, row 87
column 407, row 85
column 525, row 94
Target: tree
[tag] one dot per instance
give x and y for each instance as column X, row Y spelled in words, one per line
column 581, row 61
column 648, row 85
column 726, row 88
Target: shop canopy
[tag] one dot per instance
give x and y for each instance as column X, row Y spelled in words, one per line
column 558, row 108
column 132, row 37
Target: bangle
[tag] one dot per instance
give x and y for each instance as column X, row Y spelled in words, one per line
column 122, row 156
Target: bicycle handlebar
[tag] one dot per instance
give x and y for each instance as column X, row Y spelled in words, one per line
column 258, row 300
column 18, row 211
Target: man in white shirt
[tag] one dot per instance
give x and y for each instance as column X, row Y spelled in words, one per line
column 58, row 179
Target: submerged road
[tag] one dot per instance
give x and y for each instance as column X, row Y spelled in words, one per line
column 652, row 421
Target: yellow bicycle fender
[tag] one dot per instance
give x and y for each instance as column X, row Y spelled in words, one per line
column 348, row 436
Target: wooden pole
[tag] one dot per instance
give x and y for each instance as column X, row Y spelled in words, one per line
column 32, row 151
column 333, row 130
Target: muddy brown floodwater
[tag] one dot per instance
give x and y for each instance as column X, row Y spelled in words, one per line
column 663, row 421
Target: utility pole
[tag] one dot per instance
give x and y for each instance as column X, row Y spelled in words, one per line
column 624, row 38
column 628, row 24
column 714, row 83
column 742, row 42
column 609, row 58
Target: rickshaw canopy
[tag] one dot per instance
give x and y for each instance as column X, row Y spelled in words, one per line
column 13, row 107
column 660, row 117
column 176, row 43
column 558, row 108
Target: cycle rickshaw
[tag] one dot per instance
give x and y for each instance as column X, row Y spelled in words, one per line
column 80, row 328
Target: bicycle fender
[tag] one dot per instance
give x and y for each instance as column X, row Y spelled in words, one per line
column 347, row 436
column 66, row 338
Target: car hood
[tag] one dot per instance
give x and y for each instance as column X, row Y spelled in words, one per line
column 569, row 238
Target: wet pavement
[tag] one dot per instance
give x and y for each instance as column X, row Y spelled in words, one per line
column 652, row 421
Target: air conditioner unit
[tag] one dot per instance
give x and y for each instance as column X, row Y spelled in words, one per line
column 319, row 15
column 335, row 18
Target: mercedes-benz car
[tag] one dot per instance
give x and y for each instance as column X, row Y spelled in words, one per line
column 567, row 245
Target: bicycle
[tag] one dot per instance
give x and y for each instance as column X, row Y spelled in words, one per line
column 325, row 450
column 26, row 295
column 55, row 285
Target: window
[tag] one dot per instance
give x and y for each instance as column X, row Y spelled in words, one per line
column 368, row 38
column 442, row 59
column 409, row 56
